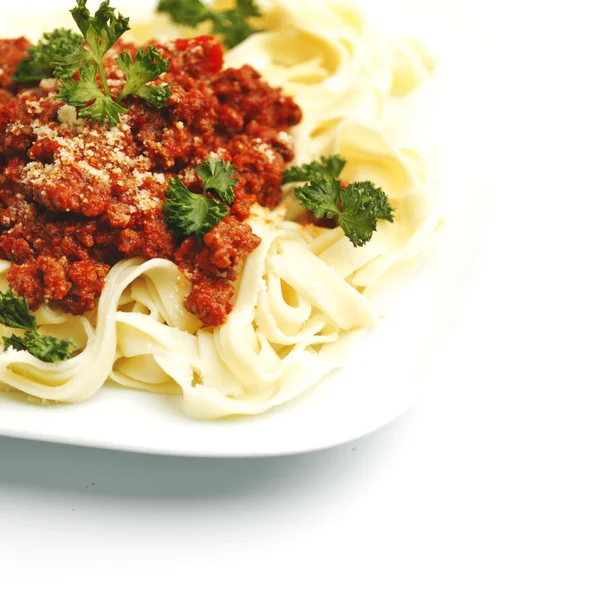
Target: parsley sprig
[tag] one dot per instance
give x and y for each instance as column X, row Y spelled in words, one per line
column 148, row 65
column 78, row 61
column 231, row 24
column 190, row 214
column 357, row 207
column 41, row 62
column 101, row 32
column 84, row 90
column 328, row 167
column 15, row 313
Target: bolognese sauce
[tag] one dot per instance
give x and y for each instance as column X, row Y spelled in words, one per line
column 76, row 197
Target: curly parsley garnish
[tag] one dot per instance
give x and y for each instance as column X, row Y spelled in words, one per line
column 190, row 214
column 84, row 90
column 101, row 32
column 15, row 313
column 65, row 55
column 356, row 207
column 148, row 65
column 218, row 177
column 231, row 24
column 329, row 167
column 42, row 56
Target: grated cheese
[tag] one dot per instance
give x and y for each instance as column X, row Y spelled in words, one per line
column 100, row 155
column 48, row 84
column 265, row 149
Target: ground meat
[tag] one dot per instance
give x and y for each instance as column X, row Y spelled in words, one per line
column 229, row 243
column 261, row 166
column 193, row 58
column 210, row 299
column 5, row 96
column 87, row 278
column 26, row 279
column 11, row 53
column 76, row 197
column 247, row 93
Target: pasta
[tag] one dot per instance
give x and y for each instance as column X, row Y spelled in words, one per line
column 304, row 293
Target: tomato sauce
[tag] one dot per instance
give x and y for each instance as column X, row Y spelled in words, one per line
column 77, row 197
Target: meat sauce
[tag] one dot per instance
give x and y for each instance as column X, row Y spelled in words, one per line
column 77, row 197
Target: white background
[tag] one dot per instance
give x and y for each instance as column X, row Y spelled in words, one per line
column 488, row 488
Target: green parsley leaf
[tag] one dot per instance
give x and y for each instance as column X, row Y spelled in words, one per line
column 39, row 64
column 102, row 30
column 189, row 214
column 85, row 90
column 366, row 194
column 248, row 8
column 231, row 24
column 45, row 347
column 14, row 341
column 148, row 65
column 328, row 167
column 104, row 109
column 357, row 208
column 67, row 63
column 185, row 12
column 320, row 197
column 219, row 178
column 157, row 96
column 82, row 91
column 15, row 313
column 361, row 205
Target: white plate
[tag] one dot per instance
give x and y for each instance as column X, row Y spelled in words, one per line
column 387, row 368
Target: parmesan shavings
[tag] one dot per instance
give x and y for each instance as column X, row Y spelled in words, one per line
column 99, row 155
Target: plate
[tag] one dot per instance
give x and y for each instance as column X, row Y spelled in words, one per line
column 387, row 369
